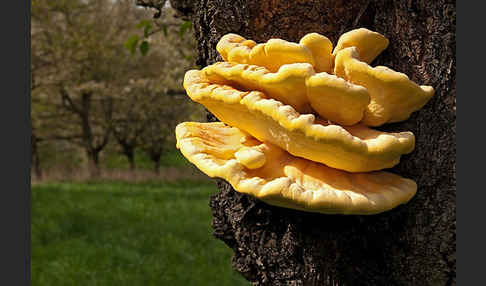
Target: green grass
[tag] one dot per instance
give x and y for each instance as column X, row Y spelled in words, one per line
column 172, row 158
column 113, row 233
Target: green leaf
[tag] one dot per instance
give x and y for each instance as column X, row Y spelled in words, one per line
column 184, row 27
column 144, row 47
column 131, row 43
column 147, row 27
column 147, row 30
column 164, row 29
column 143, row 23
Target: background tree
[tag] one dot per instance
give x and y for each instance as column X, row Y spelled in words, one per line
column 162, row 113
column 82, row 72
column 151, row 104
column 35, row 154
column 129, row 124
column 78, row 42
column 413, row 244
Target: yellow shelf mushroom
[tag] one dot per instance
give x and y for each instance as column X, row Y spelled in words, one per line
column 313, row 48
column 353, row 149
column 270, row 144
column 393, row 95
column 337, row 99
column 368, row 43
column 286, row 85
column 299, row 86
column 274, row 176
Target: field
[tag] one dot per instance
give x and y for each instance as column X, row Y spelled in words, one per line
column 118, row 233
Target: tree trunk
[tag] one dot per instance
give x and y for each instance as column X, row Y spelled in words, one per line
column 35, row 157
column 413, row 244
column 131, row 160
column 157, row 167
column 130, row 154
column 156, row 159
column 94, row 164
column 37, row 166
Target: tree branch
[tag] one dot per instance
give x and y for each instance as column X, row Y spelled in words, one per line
column 67, row 101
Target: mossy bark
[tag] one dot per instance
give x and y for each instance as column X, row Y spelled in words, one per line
column 413, row 244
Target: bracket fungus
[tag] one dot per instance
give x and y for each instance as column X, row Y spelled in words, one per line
column 393, row 95
column 368, row 44
column 299, row 86
column 286, row 85
column 313, row 48
column 267, row 172
column 354, row 149
column 295, row 117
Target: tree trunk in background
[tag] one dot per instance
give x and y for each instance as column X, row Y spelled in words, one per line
column 93, row 163
column 413, row 244
column 130, row 154
column 131, row 160
column 35, row 157
column 156, row 161
column 37, row 166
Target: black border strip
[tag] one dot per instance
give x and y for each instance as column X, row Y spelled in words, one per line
column 15, row 144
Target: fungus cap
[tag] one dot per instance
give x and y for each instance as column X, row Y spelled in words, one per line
column 336, row 99
column 283, row 180
column 369, row 44
column 286, row 85
column 353, row 148
column 393, row 95
column 298, row 86
column 314, row 49
column 230, row 42
column 321, row 49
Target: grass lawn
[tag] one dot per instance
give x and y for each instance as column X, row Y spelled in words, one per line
column 171, row 157
column 113, row 233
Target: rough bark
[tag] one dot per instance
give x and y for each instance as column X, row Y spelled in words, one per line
column 413, row 244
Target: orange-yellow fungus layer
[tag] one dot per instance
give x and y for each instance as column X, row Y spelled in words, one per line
column 278, row 178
